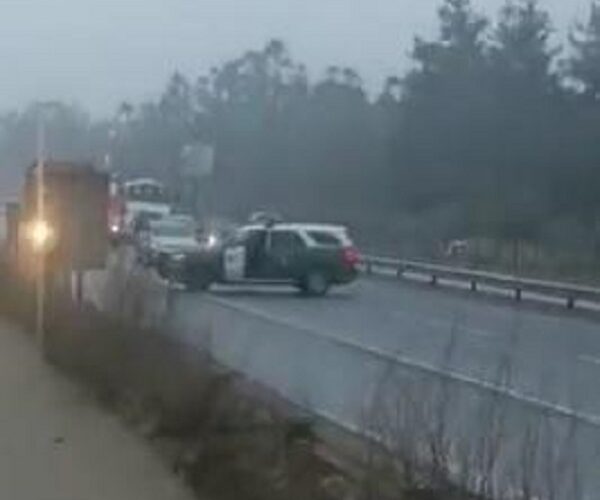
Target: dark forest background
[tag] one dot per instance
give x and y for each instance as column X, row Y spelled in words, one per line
column 493, row 137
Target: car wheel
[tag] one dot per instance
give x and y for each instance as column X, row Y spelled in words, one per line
column 162, row 267
column 198, row 283
column 141, row 259
column 315, row 284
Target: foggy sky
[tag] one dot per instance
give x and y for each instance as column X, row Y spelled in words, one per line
column 99, row 52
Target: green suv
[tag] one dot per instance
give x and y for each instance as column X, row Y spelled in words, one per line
column 311, row 257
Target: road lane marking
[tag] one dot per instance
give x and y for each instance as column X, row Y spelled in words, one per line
column 586, row 358
column 446, row 324
column 480, row 333
column 508, row 392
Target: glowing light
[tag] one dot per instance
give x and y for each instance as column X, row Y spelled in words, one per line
column 41, row 235
column 212, row 240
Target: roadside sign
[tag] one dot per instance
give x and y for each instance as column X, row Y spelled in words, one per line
column 198, row 159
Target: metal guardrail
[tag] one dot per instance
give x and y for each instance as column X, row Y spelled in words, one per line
column 571, row 293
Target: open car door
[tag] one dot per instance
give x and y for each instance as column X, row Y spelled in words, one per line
column 234, row 263
column 284, row 255
column 244, row 258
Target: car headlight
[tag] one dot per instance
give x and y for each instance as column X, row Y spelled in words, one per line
column 212, row 240
column 41, row 235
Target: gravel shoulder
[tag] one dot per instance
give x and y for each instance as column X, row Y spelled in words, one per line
column 57, row 443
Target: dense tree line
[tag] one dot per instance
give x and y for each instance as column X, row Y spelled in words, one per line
column 70, row 134
column 494, row 133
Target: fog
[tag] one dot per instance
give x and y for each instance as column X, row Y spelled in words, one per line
column 447, row 136
column 486, row 133
column 99, row 52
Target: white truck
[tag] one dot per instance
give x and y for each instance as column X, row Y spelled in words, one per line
column 133, row 204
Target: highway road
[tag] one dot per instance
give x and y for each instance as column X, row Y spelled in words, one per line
column 335, row 355
column 303, row 348
column 549, row 353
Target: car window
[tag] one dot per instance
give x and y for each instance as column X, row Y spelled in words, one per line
column 286, row 242
column 145, row 192
column 255, row 238
column 325, row 238
column 248, row 237
column 173, row 230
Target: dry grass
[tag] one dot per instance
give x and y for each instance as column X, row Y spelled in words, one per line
column 437, row 440
column 16, row 297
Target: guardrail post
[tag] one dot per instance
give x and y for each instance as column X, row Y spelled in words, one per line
column 400, row 272
column 476, row 280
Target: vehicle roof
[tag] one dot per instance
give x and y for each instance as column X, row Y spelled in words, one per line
column 299, row 226
column 179, row 217
column 143, row 181
column 173, row 219
column 53, row 166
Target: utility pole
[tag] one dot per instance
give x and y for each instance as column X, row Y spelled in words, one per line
column 41, row 218
column 41, row 231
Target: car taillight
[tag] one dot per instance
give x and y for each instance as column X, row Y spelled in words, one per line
column 350, row 256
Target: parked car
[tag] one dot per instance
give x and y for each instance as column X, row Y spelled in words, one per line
column 312, row 257
column 166, row 237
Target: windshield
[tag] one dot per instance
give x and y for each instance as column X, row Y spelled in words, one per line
column 149, row 192
column 330, row 238
column 166, row 230
column 312, row 249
